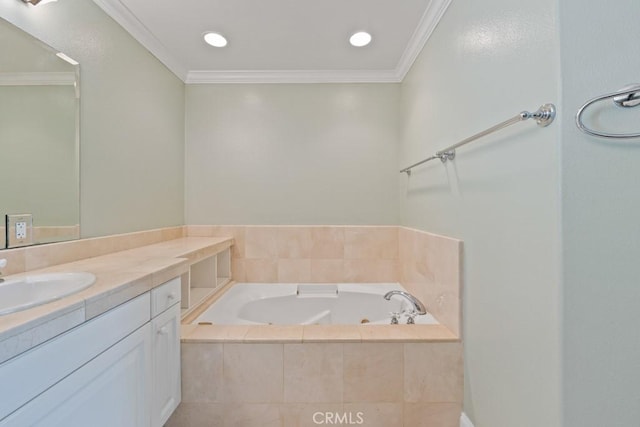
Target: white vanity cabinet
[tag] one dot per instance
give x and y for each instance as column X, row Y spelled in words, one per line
column 166, row 351
column 110, row 390
column 119, row 369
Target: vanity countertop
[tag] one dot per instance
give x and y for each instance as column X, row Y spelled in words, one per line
column 120, row 276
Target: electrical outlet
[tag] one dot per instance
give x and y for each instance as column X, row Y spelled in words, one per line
column 21, row 230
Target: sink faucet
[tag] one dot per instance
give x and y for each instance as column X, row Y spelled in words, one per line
column 418, row 306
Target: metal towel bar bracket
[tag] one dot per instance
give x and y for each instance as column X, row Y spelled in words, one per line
column 544, row 116
column 627, row 97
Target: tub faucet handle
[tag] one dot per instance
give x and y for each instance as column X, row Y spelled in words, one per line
column 411, row 317
column 395, row 317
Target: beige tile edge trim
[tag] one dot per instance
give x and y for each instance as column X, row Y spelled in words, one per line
column 287, row 334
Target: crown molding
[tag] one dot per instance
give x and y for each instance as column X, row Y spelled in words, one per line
column 292, row 76
column 123, row 16
column 428, row 22
column 430, row 19
column 65, row 78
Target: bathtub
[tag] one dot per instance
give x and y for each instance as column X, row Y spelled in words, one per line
column 302, row 371
column 307, row 304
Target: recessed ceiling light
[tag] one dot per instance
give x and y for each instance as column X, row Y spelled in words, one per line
column 215, row 39
column 360, row 39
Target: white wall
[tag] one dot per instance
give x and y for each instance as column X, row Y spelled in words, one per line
column 485, row 62
column 291, row 154
column 601, row 227
column 131, row 113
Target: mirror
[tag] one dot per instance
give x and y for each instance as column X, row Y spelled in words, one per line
column 39, row 139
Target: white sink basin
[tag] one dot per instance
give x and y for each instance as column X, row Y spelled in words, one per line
column 37, row 289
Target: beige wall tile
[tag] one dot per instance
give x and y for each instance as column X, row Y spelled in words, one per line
column 235, row 231
column 253, row 373
column 331, row 333
column 130, row 240
column 433, row 372
column 253, row 415
column 444, row 260
column 375, row 414
column 373, row 372
column 308, row 414
column 201, row 372
column 294, row 242
column 261, row 270
column 430, row 268
column 238, row 272
column 261, row 242
column 191, row 414
column 200, row 230
column 171, row 233
column 423, row 245
column 313, row 372
column 294, row 270
column 367, row 270
column 54, row 233
column 327, row 271
column 444, row 305
column 37, row 257
column 406, row 238
column 432, row 414
column 16, row 261
column 274, row 333
column 416, row 273
column 42, row 256
column 327, row 242
column 371, row 243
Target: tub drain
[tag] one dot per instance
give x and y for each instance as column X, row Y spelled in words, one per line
column 365, row 320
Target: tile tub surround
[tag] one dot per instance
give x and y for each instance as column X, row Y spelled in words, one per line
column 430, row 267
column 315, row 254
column 394, row 375
column 287, row 384
column 427, row 265
column 120, row 276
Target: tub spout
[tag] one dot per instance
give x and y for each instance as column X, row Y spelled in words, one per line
column 418, row 306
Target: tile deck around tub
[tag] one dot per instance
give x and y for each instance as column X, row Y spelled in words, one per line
column 284, row 334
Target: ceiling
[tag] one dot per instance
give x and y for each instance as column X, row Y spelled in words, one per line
column 286, row 41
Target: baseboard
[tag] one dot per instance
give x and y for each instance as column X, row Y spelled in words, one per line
column 465, row 421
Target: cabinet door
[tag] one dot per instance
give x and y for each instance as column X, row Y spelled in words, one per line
column 26, row 376
column 166, row 365
column 110, row 390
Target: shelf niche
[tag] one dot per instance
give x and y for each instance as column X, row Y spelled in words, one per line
column 205, row 277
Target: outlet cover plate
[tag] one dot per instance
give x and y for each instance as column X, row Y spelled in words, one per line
column 19, row 229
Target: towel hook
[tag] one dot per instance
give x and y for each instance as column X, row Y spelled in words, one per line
column 627, row 97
